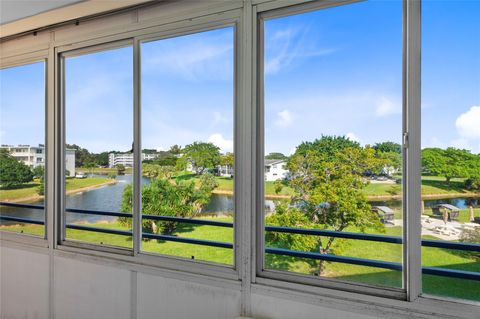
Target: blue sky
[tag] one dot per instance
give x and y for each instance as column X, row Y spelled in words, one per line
column 335, row 71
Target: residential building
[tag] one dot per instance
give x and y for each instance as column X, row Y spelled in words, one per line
column 275, row 170
column 126, row 159
column 34, row 156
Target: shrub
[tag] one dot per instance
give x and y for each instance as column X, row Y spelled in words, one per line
column 473, row 184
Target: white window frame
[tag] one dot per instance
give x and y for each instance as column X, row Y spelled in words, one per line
column 184, row 27
column 25, row 59
column 246, row 275
column 411, row 157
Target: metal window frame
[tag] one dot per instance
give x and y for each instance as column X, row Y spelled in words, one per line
column 25, row 59
column 245, row 278
column 275, row 10
column 217, row 23
column 184, row 27
column 62, row 53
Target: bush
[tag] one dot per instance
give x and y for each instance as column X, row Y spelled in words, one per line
column 473, row 184
column 41, row 189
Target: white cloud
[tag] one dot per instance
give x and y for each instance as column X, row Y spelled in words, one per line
column 468, row 123
column 292, row 151
column 193, row 57
column 352, row 137
column 224, row 144
column 284, row 118
column 288, row 45
column 385, row 107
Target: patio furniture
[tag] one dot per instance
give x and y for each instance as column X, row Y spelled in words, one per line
column 385, row 213
column 442, row 209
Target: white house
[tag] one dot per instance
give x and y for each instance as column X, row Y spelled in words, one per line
column 34, row 156
column 275, row 170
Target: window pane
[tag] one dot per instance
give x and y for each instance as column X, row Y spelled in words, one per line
column 333, row 126
column 22, row 150
column 99, row 127
column 451, row 143
column 187, row 144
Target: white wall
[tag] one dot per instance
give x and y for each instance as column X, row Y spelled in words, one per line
column 89, row 290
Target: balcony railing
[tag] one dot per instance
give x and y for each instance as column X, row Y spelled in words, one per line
column 453, row 273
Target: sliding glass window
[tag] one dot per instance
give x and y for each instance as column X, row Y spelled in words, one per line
column 22, row 150
column 187, row 94
column 451, row 148
column 98, row 155
column 332, row 160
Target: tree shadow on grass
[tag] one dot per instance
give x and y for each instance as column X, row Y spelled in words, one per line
column 21, row 186
column 443, row 185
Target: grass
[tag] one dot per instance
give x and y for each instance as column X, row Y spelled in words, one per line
column 30, row 190
column 433, row 257
column 463, row 216
column 431, row 185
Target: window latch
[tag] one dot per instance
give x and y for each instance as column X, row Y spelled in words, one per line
column 405, row 140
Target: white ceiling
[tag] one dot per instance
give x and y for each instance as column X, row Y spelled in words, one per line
column 11, row 10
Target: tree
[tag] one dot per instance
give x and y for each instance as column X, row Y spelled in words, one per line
column 175, row 149
column 449, row 163
column 39, row 172
column 201, row 156
column 391, row 159
column 276, row 156
column 388, row 147
column 327, row 179
column 90, row 166
column 164, row 197
column 227, row 159
column 166, row 159
column 13, row 172
column 82, row 155
column 120, row 169
column 101, row 159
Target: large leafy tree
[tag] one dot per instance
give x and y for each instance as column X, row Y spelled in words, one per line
column 13, row 172
column 276, row 156
column 201, row 156
column 166, row 197
column 328, row 179
column 388, row 147
column 450, row 163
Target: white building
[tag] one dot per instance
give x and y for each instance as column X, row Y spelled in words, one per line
column 275, row 170
column 34, row 156
column 126, row 159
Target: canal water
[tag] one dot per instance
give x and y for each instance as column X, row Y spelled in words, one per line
column 109, row 198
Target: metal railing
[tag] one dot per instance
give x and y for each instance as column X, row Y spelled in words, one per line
column 445, row 272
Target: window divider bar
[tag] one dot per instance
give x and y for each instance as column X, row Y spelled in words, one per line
column 412, row 148
column 137, row 150
column 60, row 148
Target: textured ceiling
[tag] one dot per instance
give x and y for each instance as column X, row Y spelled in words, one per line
column 11, row 10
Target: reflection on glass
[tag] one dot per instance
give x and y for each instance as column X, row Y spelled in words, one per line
column 98, row 150
column 451, row 142
column 333, row 123
column 22, row 150
column 187, row 144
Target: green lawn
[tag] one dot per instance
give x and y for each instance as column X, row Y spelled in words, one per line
column 434, row 257
column 431, row 185
column 31, row 189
